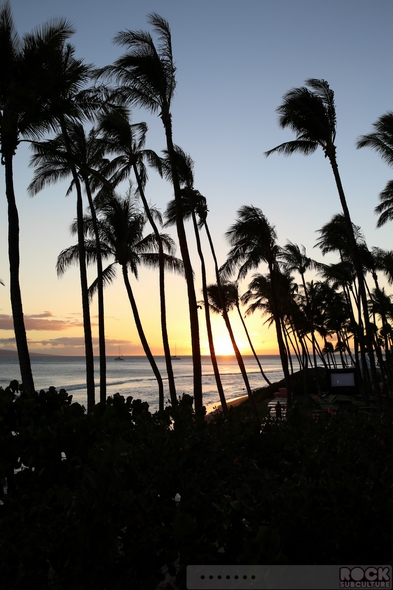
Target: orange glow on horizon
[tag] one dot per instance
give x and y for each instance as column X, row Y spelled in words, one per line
column 223, row 347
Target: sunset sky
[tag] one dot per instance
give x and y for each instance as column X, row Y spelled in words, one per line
column 235, row 59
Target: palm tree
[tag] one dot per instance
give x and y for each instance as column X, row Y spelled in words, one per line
column 23, row 81
column 53, row 162
column 253, row 241
column 381, row 140
column 310, row 112
column 334, row 238
column 121, row 236
column 385, row 207
column 233, row 287
column 260, row 294
column 69, row 101
column 146, row 73
column 221, row 300
column 192, row 203
column 295, row 259
column 127, row 142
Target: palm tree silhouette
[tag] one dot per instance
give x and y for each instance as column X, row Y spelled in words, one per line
column 385, row 207
column 127, row 142
column 121, row 228
column 193, row 203
column 221, row 299
column 310, row 112
column 233, row 288
column 295, row 259
column 53, row 162
column 381, row 140
column 253, row 241
column 333, row 237
column 146, row 73
column 24, row 81
column 69, row 101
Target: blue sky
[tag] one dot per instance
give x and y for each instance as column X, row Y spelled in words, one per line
column 235, row 60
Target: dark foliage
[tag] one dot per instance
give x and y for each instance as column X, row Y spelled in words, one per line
column 92, row 503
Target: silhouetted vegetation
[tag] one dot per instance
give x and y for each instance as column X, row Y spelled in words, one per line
column 78, row 122
column 105, row 500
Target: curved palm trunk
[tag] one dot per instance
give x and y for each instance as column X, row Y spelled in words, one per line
column 192, row 301
column 347, row 290
column 304, row 348
column 252, row 346
column 280, row 340
column 385, row 367
column 288, row 343
column 83, row 278
column 164, row 329
column 360, row 277
column 15, row 292
column 142, row 337
column 85, row 307
column 100, row 294
column 240, row 362
column 207, row 317
column 239, row 357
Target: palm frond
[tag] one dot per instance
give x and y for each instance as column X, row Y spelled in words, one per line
column 385, row 207
column 154, row 161
column 322, row 89
column 53, row 32
column 224, row 295
column 108, row 276
column 311, row 115
column 161, row 27
column 146, row 72
column 67, row 258
column 291, row 147
column 173, row 264
column 253, row 241
column 381, row 139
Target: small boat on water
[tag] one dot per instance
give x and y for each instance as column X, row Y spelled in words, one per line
column 175, row 357
column 120, row 357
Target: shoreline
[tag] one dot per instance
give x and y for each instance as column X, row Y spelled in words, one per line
column 216, row 406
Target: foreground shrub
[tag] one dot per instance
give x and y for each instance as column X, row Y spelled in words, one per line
column 104, row 500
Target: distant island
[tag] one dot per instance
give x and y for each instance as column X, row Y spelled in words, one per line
column 14, row 353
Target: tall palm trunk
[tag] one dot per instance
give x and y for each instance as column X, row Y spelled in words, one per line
column 280, row 340
column 310, row 318
column 83, row 277
column 164, row 328
column 251, row 345
column 14, row 259
column 239, row 357
column 385, row 367
column 207, row 317
column 360, row 277
column 100, row 294
column 192, row 301
column 142, row 337
column 240, row 362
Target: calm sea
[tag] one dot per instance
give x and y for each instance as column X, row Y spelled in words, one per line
column 133, row 376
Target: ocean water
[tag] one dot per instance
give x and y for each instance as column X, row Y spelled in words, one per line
column 133, row 376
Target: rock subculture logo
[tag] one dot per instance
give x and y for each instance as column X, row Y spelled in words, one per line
column 369, row 577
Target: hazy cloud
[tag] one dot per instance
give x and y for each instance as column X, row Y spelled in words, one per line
column 7, row 342
column 74, row 345
column 42, row 321
column 78, row 343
